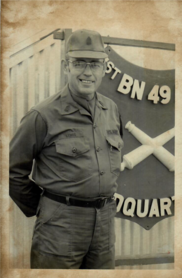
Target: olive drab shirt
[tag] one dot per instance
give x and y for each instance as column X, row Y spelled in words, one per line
column 75, row 154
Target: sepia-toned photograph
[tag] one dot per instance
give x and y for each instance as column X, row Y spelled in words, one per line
column 91, row 139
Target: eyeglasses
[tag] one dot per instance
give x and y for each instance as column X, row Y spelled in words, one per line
column 81, row 65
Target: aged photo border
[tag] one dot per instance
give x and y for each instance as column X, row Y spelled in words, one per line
column 19, row 17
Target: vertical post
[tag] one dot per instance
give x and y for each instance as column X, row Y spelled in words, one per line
column 67, row 33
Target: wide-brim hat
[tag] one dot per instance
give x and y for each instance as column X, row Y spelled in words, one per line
column 85, row 44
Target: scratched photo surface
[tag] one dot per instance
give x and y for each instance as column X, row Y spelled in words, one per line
column 143, row 79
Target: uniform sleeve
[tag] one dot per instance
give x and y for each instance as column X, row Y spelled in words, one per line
column 121, row 126
column 24, row 147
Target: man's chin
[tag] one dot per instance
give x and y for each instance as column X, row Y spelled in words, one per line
column 87, row 91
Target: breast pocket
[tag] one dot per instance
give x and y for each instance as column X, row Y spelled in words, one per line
column 74, row 162
column 115, row 145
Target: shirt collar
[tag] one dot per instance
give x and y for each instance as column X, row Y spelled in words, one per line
column 69, row 105
column 101, row 101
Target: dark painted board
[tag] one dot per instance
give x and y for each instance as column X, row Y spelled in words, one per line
column 149, row 179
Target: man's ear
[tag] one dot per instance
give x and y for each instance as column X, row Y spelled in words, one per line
column 65, row 66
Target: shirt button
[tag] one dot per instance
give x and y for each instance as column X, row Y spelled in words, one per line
column 74, row 150
column 101, row 173
column 67, row 108
column 94, row 126
column 98, row 149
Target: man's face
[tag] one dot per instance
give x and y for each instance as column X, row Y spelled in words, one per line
column 84, row 80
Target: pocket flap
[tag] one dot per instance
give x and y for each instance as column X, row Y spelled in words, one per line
column 115, row 142
column 72, row 146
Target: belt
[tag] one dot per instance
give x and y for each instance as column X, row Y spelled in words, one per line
column 98, row 203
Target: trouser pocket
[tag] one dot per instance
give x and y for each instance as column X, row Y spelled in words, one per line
column 47, row 210
column 52, row 229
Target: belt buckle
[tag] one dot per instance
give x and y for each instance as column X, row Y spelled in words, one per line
column 68, row 201
column 101, row 203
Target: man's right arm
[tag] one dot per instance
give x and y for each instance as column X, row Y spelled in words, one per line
column 24, row 147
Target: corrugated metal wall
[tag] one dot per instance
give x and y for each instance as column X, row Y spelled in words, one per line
column 35, row 73
column 135, row 245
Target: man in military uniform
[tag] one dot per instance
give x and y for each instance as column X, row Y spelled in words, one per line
column 75, row 139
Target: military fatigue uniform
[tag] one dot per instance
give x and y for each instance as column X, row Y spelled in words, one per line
column 77, row 154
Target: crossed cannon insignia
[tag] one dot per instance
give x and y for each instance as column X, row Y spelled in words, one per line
column 149, row 146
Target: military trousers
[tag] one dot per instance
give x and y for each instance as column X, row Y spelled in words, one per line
column 71, row 237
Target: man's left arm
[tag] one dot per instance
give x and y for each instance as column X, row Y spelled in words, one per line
column 24, row 147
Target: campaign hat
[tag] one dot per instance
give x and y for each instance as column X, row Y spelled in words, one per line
column 85, row 44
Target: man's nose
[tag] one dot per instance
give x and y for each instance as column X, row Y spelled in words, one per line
column 87, row 70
